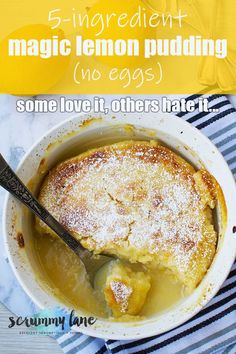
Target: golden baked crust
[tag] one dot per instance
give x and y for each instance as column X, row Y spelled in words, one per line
column 139, row 201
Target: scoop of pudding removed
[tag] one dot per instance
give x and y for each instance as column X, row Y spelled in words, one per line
column 125, row 290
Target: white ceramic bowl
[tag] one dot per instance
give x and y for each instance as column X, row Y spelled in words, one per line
column 72, row 134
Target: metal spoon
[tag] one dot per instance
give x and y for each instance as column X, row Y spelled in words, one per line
column 10, row 182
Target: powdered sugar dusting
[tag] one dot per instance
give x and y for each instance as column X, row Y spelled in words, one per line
column 121, row 293
column 138, row 199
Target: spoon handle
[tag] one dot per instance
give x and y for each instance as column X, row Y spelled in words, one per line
column 10, row 182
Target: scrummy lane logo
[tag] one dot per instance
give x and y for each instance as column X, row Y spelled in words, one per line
column 52, row 320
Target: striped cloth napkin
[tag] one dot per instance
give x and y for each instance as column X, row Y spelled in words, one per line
column 213, row 330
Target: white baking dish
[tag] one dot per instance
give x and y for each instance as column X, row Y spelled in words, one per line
column 98, row 130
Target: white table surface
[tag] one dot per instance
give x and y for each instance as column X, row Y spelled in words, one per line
column 18, row 131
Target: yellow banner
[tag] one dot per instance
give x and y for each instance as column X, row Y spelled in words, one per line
column 90, row 47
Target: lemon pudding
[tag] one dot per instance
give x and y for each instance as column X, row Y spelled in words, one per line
column 142, row 203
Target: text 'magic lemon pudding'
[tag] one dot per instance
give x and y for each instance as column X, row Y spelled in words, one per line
column 141, row 203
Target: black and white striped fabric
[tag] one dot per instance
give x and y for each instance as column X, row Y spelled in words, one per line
column 213, row 330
